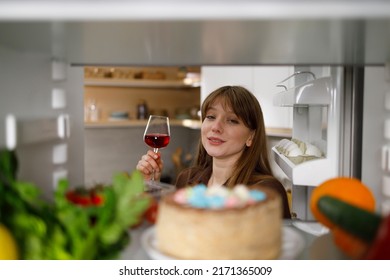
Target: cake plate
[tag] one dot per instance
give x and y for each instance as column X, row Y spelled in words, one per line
column 292, row 244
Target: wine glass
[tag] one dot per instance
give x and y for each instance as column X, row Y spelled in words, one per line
column 157, row 133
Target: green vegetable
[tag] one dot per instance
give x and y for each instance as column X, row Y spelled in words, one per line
column 357, row 221
column 63, row 230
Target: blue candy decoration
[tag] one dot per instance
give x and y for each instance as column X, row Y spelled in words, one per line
column 198, row 201
column 216, row 201
column 257, row 195
column 199, row 190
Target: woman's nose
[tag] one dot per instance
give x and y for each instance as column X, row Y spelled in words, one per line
column 217, row 126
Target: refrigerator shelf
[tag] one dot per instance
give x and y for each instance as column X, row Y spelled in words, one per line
column 321, row 169
column 31, row 131
column 312, row 93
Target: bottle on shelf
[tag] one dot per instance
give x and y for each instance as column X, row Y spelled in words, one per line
column 142, row 110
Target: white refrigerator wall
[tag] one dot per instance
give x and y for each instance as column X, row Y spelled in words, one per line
column 376, row 142
column 26, row 92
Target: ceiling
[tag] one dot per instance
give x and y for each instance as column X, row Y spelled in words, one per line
column 264, row 32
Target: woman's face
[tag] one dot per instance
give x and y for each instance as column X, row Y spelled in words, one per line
column 223, row 134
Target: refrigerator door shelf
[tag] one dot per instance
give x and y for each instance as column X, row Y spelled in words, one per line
column 308, row 173
column 312, row 93
column 26, row 131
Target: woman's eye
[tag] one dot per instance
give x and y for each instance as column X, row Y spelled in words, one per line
column 210, row 117
column 233, row 121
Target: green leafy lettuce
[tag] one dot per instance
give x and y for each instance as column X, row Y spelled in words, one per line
column 63, row 230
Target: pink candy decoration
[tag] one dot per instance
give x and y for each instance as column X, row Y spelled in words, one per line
column 251, row 201
column 232, row 202
column 180, row 196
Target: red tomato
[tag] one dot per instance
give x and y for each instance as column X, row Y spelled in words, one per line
column 151, row 213
column 85, row 197
column 97, row 199
column 78, row 198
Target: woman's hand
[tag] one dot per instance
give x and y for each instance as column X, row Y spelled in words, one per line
column 149, row 163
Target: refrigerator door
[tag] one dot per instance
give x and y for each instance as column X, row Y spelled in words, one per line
column 318, row 124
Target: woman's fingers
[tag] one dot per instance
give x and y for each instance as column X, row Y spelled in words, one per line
column 153, row 159
column 149, row 163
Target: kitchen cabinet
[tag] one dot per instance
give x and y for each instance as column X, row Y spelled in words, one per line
column 168, row 91
column 262, row 81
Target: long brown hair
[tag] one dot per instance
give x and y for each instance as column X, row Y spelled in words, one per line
column 253, row 165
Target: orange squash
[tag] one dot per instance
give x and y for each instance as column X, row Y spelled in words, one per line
column 354, row 192
column 349, row 190
column 352, row 246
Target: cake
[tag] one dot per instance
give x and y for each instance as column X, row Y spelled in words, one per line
column 219, row 223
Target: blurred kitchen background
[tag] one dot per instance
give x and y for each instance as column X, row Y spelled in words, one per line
column 118, row 100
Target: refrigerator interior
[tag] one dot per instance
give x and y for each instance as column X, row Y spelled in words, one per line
column 41, row 112
column 41, row 74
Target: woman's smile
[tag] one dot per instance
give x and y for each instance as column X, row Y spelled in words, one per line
column 215, row 141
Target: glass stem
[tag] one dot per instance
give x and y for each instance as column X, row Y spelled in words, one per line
column 153, row 175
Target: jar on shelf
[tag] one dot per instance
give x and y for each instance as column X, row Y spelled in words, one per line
column 91, row 111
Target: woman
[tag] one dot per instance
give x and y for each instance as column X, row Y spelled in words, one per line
column 233, row 147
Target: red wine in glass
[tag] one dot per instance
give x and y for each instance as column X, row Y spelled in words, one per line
column 157, row 133
column 157, row 140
